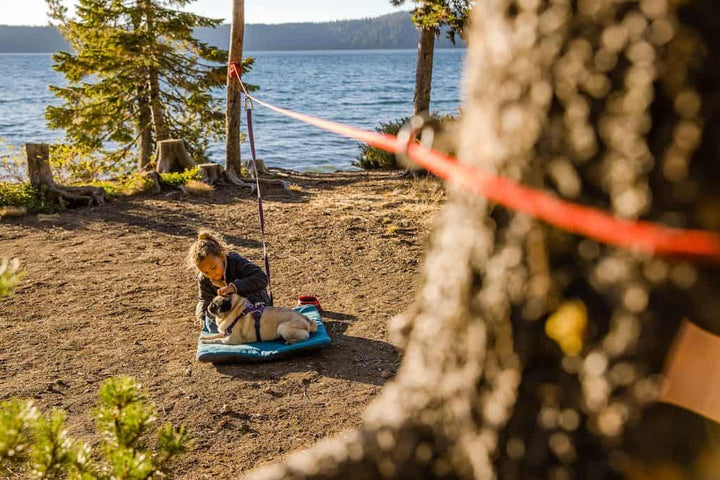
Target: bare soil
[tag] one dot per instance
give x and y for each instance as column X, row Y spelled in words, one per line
column 107, row 293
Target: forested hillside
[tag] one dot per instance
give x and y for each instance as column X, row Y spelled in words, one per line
column 385, row 32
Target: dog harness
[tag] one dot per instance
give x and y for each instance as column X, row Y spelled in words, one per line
column 256, row 310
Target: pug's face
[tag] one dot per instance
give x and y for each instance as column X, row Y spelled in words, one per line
column 221, row 306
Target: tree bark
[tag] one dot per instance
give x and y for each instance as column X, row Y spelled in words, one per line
column 423, row 71
column 158, row 113
column 41, row 178
column 232, row 119
column 609, row 106
column 173, row 157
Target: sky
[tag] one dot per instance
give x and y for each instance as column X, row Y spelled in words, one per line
column 34, row 12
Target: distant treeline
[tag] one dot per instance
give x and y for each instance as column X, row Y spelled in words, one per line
column 389, row 31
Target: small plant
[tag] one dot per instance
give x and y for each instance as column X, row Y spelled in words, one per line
column 10, row 276
column 372, row 158
column 125, row 420
column 125, row 185
column 12, row 163
column 25, row 196
column 176, row 179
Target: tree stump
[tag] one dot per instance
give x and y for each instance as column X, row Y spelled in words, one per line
column 210, row 172
column 262, row 169
column 173, row 157
column 41, row 178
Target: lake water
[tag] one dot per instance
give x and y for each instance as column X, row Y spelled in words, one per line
column 360, row 88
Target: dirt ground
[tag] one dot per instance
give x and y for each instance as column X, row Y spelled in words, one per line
column 107, row 293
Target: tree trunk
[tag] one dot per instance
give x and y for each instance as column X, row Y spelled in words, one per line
column 158, row 113
column 173, row 157
column 531, row 353
column 423, row 84
column 423, row 71
column 41, row 178
column 145, row 130
column 232, row 118
column 144, row 125
column 156, row 107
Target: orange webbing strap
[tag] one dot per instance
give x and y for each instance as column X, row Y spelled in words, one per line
column 586, row 221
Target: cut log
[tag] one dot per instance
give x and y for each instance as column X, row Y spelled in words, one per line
column 41, row 178
column 173, row 157
column 210, row 173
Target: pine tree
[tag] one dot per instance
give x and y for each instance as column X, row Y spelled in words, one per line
column 133, row 446
column 136, row 75
column 430, row 16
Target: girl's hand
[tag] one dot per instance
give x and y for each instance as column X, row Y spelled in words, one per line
column 227, row 290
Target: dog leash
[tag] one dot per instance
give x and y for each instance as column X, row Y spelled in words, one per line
column 251, row 136
column 236, row 69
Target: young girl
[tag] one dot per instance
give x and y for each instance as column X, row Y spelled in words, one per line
column 222, row 272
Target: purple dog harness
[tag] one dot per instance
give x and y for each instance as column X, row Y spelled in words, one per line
column 256, row 310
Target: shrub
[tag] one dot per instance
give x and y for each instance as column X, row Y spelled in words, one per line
column 176, row 179
column 25, row 196
column 125, row 421
column 74, row 165
column 71, row 165
column 125, row 185
column 12, row 163
column 372, row 158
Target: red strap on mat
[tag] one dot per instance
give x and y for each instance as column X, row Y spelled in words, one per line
column 586, row 221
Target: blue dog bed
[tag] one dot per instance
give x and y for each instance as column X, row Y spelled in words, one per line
column 263, row 351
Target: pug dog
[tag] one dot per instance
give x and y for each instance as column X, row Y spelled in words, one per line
column 235, row 318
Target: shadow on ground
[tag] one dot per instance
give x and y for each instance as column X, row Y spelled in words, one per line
column 365, row 357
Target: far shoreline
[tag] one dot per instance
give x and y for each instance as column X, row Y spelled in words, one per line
column 307, row 51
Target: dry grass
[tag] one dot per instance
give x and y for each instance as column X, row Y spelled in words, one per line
column 195, row 187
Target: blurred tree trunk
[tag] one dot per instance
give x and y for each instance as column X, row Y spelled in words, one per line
column 423, row 71
column 233, row 165
column 531, row 353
